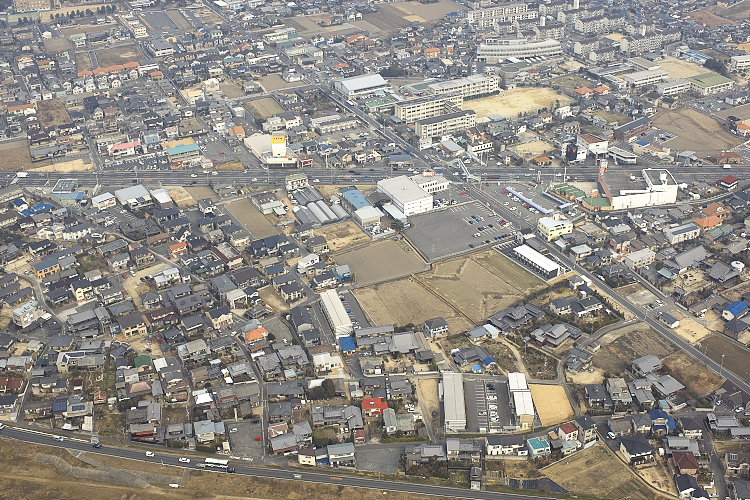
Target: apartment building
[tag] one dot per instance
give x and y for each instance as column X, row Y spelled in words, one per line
column 468, row 87
column 598, row 24
column 509, row 12
column 429, row 106
column 445, row 124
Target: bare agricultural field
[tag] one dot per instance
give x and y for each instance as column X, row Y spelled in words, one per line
column 265, row 107
column 83, row 61
column 741, row 112
column 342, row 235
column 406, row 301
column 118, row 55
column 551, row 403
column 708, row 19
column 622, row 345
column 235, row 166
column 481, row 284
column 678, row 68
column 52, row 113
column 431, row 12
column 688, row 124
column 516, row 101
column 20, row 157
column 583, row 473
column 697, row 378
column 736, row 358
column 737, row 12
column 250, row 217
column 382, row 261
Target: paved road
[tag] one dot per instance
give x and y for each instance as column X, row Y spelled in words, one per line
column 245, row 470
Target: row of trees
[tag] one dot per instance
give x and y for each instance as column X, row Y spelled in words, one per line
column 104, row 9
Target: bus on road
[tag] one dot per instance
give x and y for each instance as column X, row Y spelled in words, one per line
column 216, row 463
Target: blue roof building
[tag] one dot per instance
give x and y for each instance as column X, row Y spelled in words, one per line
column 348, row 344
column 538, row 447
column 356, row 199
column 734, row 310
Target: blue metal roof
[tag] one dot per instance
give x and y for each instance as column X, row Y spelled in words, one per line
column 736, row 307
column 348, row 344
column 356, row 198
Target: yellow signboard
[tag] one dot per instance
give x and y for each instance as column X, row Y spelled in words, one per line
column 278, row 139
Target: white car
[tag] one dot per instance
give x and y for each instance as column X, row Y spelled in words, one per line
column 2, row 426
column 193, row 175
column 184, row 460
column 254, row 179
column 149, row 454
column 232, row 430
column 514, row 208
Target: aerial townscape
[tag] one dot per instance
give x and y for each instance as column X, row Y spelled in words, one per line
column 323, row 249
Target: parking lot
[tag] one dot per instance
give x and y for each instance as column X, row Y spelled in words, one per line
column 486, row 408
column 456, row 229
column 243, row 441
column 517, row 206
column 385, row 460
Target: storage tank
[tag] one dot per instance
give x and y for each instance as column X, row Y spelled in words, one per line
column 739, row 266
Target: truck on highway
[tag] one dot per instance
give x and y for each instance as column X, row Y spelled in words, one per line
column 22, row 175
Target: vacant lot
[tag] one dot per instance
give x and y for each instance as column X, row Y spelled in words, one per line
column 181, row 196
column 698, row 379
column 621, row 346
column 517, row 101
column 481, row 284
column 52, row 113
column 19, row 156
column 394, row 16
column 118, row 55
column 265, row 107
column 275, row 82
column 708, row 19
column 678, row 68
column 637, row 294
column 534, row 148
column 690, row 329
column 688, row 124
column 551, row 404
column 342, row 235
column 382, row 261
column 736, row 12
column 57, row 45
column 736, row 358
column 179, row 20
column 585, row 471
column 83, row 61
column 741, row 112
column 406, row 301
column 250, row 217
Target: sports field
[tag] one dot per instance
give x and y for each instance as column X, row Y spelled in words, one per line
column 517, row 101
column 678, row 68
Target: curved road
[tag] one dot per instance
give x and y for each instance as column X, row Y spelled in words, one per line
column 332, row 477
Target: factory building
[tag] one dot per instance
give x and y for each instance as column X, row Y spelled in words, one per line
column 454, row 405
column 361, row 85
column 335, row 312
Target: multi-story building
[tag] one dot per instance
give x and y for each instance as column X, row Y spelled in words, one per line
column 647, row 77
column 640, row 258
column 509, row 12
column 431, row 183
column 468, row 87
column 555, row 226
column 737, row 63
column 598, row 24
column 429, row 106
column 445, row 124
column 495, row 50
column 682, row 233
column 673, row 87
column 406, row 195
column 32, row 5
column 710, row 83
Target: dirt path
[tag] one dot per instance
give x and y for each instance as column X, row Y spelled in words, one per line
column 517, row 354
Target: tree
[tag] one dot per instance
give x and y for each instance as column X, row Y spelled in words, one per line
column 716, row 65
column 393, row 71
column 397, row 225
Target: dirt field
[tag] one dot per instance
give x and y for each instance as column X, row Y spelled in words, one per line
column 342, row 235
column 250, row 217
column 678, row 68
column 83, row 61
column 382, row 261
column 275, row 82
column 429, row 401
column 583, row 473
column 706, row 18
column 181, row 196
column 533, row 148
column 736, row 359
column 235, row 165
column 118, row 55
column 736, row 12
column 19, row 151
column 63, row 166
column 202, row 192
column 52, row 113
column 742, row 112
column 273, row 299
column 231, row 90
column 513, row 102
column 551, row 404
column 698, row 379
column 480, row 284
column 406, row 301
column 57, row 45
column 690, row 329
column 265, row 107
column 689, row 124
column 394, row 16
column 179, row 20
column 621, row 346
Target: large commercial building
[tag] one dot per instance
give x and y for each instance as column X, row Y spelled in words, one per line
column 271, row 150
column 468, row 87
column 32, row 5
column 509, row 12
column 360, row 85
column 495, row 50
column 454, row 405
column 406, row 195
column 445, row 124
column 420, row 108
column 523, row 403
column 657, row 187
column 335, row 312
column 682, row 233
column 555, row 226
column 541, row 264
column 431, row 183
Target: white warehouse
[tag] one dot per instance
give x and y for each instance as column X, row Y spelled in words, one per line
column 406, row 195
column 360, row 85
column 453, row 402
column 336, row 313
